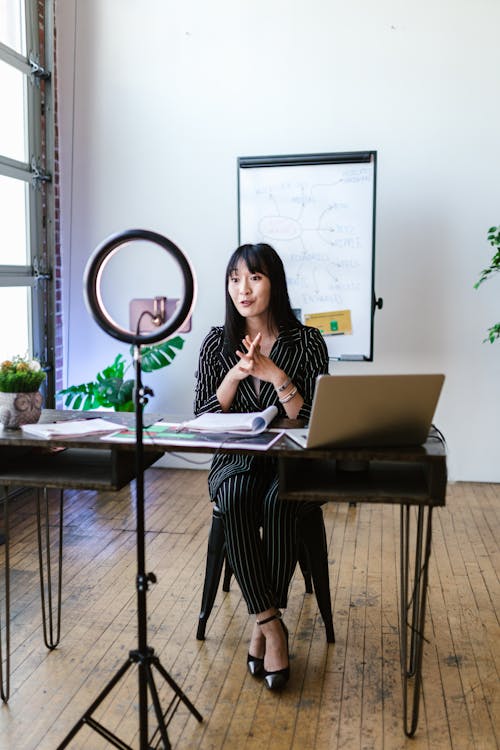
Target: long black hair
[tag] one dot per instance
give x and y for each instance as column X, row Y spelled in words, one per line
column 259, row 258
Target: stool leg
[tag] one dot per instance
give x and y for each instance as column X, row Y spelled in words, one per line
column 228, row 572
column 313, row 535
column 213, row 572
column 305, row 567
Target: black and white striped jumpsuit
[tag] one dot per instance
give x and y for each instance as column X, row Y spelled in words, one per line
column 246, row 487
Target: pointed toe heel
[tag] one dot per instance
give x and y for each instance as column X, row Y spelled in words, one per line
column 255, row 665
column 277, row 679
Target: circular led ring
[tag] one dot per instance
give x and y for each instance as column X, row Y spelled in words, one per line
column 93, row 297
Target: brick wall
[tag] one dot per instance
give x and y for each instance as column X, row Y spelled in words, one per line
column 50, row 251
column 57, row 264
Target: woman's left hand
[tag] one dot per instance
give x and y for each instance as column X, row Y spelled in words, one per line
column 262, row 367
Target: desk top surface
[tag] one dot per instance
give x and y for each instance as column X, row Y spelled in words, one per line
column 432, row 450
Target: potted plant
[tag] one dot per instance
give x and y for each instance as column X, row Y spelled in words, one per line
column 111, row 389
column 494, row 240
column 20, row 399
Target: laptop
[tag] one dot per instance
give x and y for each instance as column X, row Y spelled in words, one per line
column 370, row 410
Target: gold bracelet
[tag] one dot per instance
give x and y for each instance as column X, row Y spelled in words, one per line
column 284, row 385
column 288, row 396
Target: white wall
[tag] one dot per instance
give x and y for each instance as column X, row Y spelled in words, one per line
column 158, row 100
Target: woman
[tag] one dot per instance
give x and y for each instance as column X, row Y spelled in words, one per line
column 260, row 357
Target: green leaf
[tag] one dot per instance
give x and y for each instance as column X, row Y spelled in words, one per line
column 494, row 236
column 77, row 402
column 126, row 392
column 494, row 239
column 75, row 395
column 160, row 355
column 88, row 403
column 177, row 342
column 108, row 391
column 493, row 333
column 127, row 406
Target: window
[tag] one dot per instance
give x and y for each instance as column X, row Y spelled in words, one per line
column 26, row 191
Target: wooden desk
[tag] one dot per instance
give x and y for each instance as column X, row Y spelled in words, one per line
column 409, row 476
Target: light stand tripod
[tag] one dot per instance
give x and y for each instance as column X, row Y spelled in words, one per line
column 144, row 655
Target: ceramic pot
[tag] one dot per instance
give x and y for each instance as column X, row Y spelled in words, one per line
column 17, row 409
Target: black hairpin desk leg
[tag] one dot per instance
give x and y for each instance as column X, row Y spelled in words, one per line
column 413, row 604
column 5, row 631
column 51, row 630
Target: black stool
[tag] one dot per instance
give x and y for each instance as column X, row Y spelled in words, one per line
column 313, row 561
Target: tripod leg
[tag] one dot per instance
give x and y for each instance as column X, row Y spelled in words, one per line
column 143, row 660
column 160, row 718
column 5, row 640
column 175, row 687
column 51, row 640
column 87, row 716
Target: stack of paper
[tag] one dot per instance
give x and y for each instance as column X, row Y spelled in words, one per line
column 71, row 428
column 252, row 423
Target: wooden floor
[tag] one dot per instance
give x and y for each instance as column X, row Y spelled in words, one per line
column 346, row 695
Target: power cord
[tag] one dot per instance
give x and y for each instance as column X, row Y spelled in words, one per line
column 439, row 436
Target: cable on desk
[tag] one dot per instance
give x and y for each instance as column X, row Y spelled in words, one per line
column 183, row 457
column 216, row 451
column 439, row 436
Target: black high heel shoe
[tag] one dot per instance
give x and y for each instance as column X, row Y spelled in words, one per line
column 277, row 679
column 255, row 665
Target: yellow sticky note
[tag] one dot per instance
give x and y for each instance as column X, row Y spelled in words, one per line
column 331, row 323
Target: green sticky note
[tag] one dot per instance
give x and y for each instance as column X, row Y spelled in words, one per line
column 334, row 325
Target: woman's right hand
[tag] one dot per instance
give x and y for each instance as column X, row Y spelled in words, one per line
column 241, row 370
column 248, row 360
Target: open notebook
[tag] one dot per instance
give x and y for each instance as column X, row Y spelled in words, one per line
column 370, row 410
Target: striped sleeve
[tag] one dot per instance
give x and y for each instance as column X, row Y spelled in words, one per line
column 315, row 363
column 209, row 374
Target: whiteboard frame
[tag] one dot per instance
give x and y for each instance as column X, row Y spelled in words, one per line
column 308, row 161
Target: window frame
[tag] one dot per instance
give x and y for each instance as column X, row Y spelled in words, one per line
column 37, row 173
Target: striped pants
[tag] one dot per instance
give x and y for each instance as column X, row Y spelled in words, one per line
column 260, row 532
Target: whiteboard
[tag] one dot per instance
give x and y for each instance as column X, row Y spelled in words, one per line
column 318, row 212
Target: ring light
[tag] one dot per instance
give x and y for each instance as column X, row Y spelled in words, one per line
column 93, row 292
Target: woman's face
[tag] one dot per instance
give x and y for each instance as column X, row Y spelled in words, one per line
column 250, row 292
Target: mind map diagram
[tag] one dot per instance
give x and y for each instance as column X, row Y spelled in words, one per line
column 320, row 220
